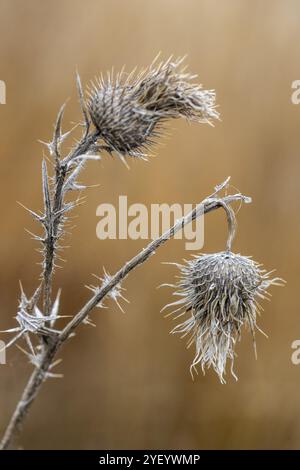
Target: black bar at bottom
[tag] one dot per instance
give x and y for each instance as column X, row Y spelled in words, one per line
column 135, row 458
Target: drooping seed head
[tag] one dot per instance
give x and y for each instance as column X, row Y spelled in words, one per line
column 220, row 293
column 129, row 111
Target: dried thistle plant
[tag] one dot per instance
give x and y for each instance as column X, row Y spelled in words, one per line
column 219, row 293
column 122, row 115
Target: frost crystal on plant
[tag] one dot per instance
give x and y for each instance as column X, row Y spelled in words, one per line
column 129, row 110
column 115, row 293
column 31, row 321
column 220, row 293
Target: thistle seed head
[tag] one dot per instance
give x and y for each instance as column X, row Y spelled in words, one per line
column 220, row 293
column 129, row 111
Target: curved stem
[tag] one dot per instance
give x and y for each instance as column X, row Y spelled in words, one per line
column 40, row 374
column 232, row 224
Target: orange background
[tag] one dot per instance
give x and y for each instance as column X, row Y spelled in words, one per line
column 126, row 383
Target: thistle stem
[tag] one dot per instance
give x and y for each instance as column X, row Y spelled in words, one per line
column 40, row 373
column 58, row 200
column 231, row 220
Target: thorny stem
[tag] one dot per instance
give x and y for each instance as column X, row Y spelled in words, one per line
column 40, row 373
column 58, row 199
column 29, row 394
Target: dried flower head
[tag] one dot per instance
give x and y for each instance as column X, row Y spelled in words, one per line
column 129, row 110
column 220, row 293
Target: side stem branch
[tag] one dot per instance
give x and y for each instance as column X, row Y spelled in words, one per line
column 40, row 373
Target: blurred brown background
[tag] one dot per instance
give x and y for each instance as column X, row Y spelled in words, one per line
column 127, row 382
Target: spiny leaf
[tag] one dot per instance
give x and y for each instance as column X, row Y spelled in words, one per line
column 70, row 183
column 82, row 103
column 57, row 132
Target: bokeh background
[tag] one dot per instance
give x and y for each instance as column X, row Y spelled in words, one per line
column 126, row 382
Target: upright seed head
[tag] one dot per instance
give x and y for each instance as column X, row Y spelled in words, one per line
column 129, row 111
